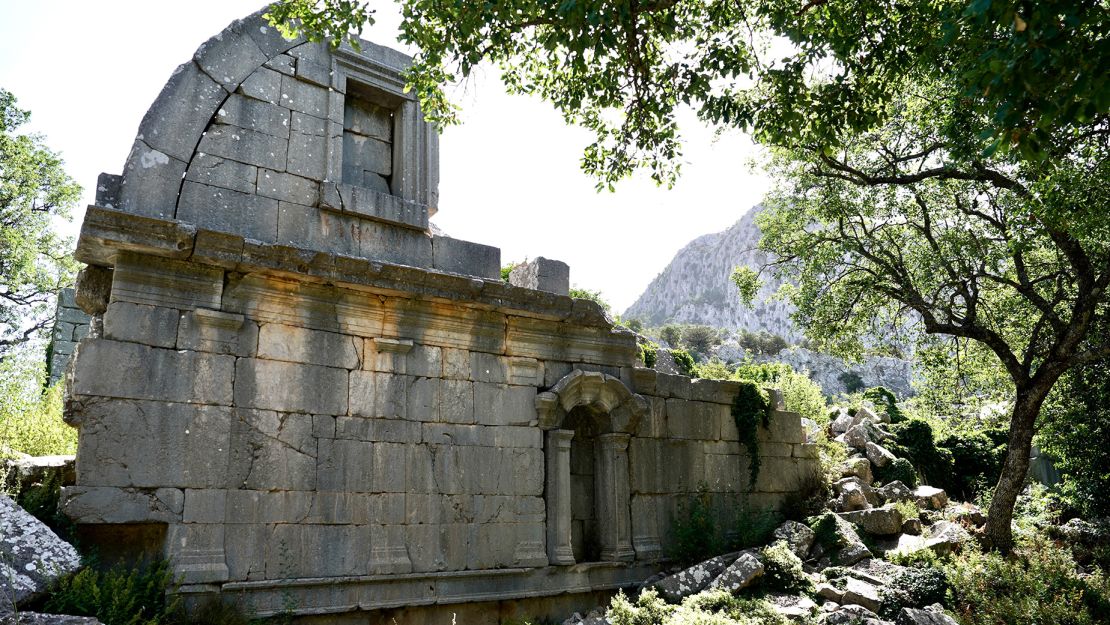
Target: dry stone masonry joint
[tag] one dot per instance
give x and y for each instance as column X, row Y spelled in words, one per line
column 296, row 392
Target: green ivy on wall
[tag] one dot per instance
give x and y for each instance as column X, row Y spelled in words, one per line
column 750, row 408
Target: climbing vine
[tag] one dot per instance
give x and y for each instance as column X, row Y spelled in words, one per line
column 750, row 408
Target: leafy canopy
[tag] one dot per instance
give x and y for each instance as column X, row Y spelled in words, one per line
column 34, row 260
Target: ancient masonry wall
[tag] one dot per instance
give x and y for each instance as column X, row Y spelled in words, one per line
column 71, row 324
column 302, row 397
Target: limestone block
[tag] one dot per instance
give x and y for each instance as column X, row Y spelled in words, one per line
column 878, row 455
column 930, row 497
column 785, row 427
column 151, row 181
column 304, row 97
column 224, row 210
column 309, row 125
column 500, row 436
column 204, row 506
column 310, row 228
column 489, row 546
column 783, row 475
column 257, row 506
column 335, row 550
column 293, row 344
column 928, row 616
column 726, row 473
column 282, row 63
column 387, row 355
column 464, row 257
column 861, row 593
column 378, row 430
column 437, row 547
column 165, row 282
column 500, row 404
column 457, row 402
column 197, row 552
column 62, row 331
column 287, row 187
column 221, row 172
column 553, row 371
column 525, row 371
column 393, row 244
column 289, row 387
column 272, row 450
column 263, row 84
column 307, row 155
column 64, row 347
column 456, row 363
column 182, row 445
column 243, row 112
column 884, row 521
column 488, row 368
column 32, row 557
column 389, row 467
column 424, row 361
column 378, row 395
column 542, row 274
column 180, row 114
column 245, row 146
column 138, row 323
column 92, row 291
column 388, row 552
column 133, row 371
column 346, row 466
column 857, row 467
column 107, row 190
column 693, row 579
column 740, row 574
column 695, row 420
column 230, row 56
column 245, row 549
column 98, row 504
column 205, row 330
column 377, row 202
column 798, row 536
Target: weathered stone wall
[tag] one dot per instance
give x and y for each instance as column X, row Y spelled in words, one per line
column 297, row 419
column 71, row 324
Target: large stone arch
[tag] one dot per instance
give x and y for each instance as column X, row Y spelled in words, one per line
column 613, row 411
column 254, row 137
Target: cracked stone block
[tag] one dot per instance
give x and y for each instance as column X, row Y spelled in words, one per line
column 288, row 387
column 245, row 146
column 310, row 228
column 242, row 112
column 302, row 345
column 152, row 325
column 134, row 371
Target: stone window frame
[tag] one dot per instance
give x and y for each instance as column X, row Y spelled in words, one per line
column 415, row 178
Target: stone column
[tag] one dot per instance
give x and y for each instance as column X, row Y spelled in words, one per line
column 559, row 549
column 612, row 494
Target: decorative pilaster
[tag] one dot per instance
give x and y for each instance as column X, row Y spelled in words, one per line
column 612, row 493
column 559, row 550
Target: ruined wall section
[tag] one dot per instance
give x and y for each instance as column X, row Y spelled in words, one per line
column 71, row 325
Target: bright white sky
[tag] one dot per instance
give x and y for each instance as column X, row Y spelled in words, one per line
column 88, row 71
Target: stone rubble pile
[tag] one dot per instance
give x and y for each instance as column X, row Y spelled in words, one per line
column 849, row 574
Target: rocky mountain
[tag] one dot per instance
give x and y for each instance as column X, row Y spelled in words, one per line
column 696, row 286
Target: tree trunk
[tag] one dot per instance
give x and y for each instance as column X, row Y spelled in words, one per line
column 999, row 534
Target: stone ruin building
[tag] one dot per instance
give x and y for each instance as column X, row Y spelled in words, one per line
column 308, row 402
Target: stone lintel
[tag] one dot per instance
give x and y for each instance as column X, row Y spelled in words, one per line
column 393, row 346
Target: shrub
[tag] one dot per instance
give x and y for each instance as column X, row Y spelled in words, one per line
column 695, row 535
column 886, row 401
column 684, row 362
column 649, row 609
column 648, row 353
column 1038, row 584
column 754, row 527
column 900, row 469
column 31, row 419
column 699, row 339
column 713, row 369
column 908, row 509
column 852, row 381
column 977, row 459
column 593, row 296
column 782, row 570
column 118, row 596
column 914, row 440
column 916, row 587
column 670, row 334
column 799, row 392
column 506, row 270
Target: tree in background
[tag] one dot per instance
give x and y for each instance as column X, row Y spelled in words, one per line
column 34, row 261
column 942, row 160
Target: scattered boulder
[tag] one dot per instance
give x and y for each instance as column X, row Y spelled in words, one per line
column 946, row 537
column 693, row 579
column 857, row 467
column 859, row 592
column 894, row 491
column 740, row 574
column 913, row 616
column 837, row 540
column 858, row 436
column 930, row 498
column 842, row 423
column 793, row 607
column 968, row 514
column 879, row 455
column 830, row 592
column 884, row 521
column 912, row 527
column 852, row 497
column 31, row 556
column 35, row 618
column 797, row 536
column 852, row 615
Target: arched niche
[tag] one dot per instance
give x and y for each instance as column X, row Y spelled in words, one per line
column 589, row 418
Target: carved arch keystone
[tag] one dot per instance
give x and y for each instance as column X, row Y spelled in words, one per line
column 597, row 390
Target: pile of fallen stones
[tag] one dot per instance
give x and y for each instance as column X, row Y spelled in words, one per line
column 842, row 550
